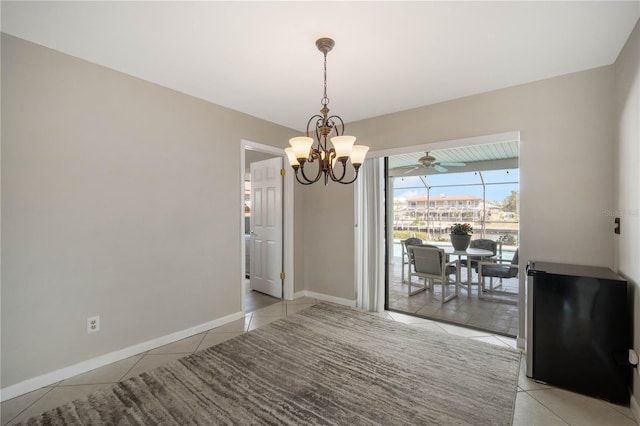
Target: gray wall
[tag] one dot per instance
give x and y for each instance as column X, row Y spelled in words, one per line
column 115, row 200
column 572, row 173
column 120, row 198
column 628, row 177
column 329, row 240
column 567, row 165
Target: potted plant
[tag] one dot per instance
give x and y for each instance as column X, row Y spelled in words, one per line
column 461, row 236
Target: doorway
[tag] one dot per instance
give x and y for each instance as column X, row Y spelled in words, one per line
column 253, row 152
column 429, row 191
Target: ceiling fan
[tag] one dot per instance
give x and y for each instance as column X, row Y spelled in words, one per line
column 432, row 162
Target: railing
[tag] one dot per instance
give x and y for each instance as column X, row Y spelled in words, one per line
column 507, row 231
column 507, row 250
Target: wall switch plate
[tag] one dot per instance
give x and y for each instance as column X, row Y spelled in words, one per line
column 93, row 324
column 617, row 227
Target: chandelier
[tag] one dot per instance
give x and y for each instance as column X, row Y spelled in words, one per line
column 302, row 150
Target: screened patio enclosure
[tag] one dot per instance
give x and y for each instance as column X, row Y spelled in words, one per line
column 427, row 192
column 427, row 206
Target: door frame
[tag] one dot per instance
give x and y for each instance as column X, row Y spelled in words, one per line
column 287, row 219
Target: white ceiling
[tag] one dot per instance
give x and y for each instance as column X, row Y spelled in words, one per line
column 260, row 57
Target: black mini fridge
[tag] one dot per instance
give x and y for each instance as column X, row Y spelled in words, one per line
column 578, row 329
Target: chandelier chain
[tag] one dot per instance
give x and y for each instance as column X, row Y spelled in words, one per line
column 325, row 99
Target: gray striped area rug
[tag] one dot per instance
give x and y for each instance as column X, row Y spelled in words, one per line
column 327, row 365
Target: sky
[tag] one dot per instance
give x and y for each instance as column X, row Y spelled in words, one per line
column 499, row 184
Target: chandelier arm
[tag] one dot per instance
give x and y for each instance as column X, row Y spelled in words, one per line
column 332, row 118
column 344, row 171
column 304, row 176
column 321, row 146
column 296, row 168
column 310, row 120
column 303, row 182
column 356, row 168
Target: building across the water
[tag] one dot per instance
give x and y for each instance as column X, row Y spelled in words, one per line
column 447, row 207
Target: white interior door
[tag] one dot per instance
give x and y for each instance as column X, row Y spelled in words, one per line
column 265, row 254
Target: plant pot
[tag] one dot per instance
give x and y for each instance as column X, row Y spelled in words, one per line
column 460, row 242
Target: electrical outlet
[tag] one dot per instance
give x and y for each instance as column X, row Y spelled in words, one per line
column 93, row 324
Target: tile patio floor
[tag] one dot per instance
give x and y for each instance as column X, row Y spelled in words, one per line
column 463, row 310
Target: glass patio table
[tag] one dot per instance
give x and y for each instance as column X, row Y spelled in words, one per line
column 468, row 253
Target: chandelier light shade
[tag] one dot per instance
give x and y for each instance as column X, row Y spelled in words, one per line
column 303, row 151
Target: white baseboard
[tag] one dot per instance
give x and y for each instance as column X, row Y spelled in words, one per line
column 298, row 295
column 635, row 408
column 102, row 360
column 332, row 299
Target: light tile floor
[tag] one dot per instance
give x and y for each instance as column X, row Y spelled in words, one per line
column 536, row 404
column 255, row 300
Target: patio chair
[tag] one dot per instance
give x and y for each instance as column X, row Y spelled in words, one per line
column 483, row 243
column 430, row 264
column 497, row 269
column 406, row 260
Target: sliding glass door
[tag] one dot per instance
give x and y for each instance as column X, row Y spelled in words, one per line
column 424, row 201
